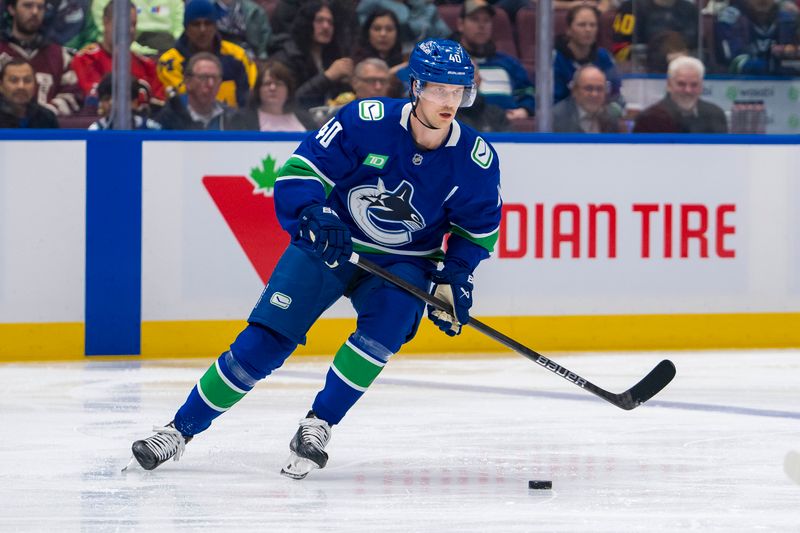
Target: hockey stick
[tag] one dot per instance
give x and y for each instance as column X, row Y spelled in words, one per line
column 649, row 386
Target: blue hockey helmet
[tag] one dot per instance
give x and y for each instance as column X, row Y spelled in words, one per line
column 442, row 61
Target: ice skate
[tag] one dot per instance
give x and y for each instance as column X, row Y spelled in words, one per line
column 167, row 443
column 308, row 447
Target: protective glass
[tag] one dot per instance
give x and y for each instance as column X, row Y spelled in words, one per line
column 446, row 94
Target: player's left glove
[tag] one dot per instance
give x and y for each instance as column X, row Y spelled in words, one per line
column 453, row 284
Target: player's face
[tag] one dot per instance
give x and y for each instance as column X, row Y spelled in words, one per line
column 323, row 26
column 19, row 85
column 383, row 34
column 583, row 30
column 201, row 33
column 28, row 15
column 685, row 88
column 439, row 102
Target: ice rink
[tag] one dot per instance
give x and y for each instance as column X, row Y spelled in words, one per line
column 437, row 444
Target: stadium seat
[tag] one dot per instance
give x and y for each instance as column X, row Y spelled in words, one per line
column 709, row 52
column 526, row 37
column 605, row 34
column 449, row 14
column 559, row 22
column 503, row 33
column 76, row 122
column 523, row 125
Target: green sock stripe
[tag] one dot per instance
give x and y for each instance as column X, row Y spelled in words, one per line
column 355, row 366
column 217, row 391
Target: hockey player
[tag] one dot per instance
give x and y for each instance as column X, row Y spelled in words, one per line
column 390, row 179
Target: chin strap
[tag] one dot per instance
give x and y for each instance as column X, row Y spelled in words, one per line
column 414, row 112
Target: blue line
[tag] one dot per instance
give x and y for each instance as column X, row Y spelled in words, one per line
column 587, row 397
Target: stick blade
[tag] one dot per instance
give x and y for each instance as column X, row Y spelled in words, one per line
column 649, row 386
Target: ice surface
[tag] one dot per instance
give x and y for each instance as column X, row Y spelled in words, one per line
column 437, row 444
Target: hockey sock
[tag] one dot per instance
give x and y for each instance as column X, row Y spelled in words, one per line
column 224, row 383
column 255, row 353
column 355, row 366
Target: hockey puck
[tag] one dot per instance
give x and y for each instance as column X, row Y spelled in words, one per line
column 540, row 484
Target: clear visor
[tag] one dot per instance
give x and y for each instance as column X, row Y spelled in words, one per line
column 445, row 94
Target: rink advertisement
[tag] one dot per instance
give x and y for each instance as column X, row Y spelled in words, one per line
column 42, row 248
column 600, row 245
column 160, row 245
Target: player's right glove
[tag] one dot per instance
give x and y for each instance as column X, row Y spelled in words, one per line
column 453, row 284
column 328, row 236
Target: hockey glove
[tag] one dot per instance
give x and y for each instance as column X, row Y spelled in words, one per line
column 329, row 236
column 453, row 285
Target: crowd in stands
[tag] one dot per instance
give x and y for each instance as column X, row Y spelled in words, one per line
column 289, row 65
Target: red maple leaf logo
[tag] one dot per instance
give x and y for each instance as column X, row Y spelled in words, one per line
column 248, row 208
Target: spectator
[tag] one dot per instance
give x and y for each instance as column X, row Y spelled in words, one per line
column 482, row 115
column 315, row 56
column 372, row 79
column 57, row 83
column 66, row 22
column 198, row 108
column 585, row 110
column 201, row 35
column 579, row 47
column 746, row 32
column 18, row 107
column 94, row 62
column 649, row 18
column 271, row 106
column 682, row 110
column 504, row 81
column 245, row 23
column 663, row 48
column 602, row 5
column 380, row 38
column 158, row 25
column 282, row 20
column 104, row 91
column 418, row 19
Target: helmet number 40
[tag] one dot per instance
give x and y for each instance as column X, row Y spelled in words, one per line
column 455, row 57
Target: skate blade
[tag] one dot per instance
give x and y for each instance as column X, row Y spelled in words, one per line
column 127, row 466
column 298, row 467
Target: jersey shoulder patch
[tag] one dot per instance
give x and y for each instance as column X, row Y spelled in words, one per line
column 481, row 153
column 370, row 110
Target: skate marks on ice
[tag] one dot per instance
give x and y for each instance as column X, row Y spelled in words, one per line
column 791, row 465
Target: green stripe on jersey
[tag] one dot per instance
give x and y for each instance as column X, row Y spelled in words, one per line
column 297, row 167
column 484, row 241
column 216, row 390
column 359, row 247
column 358, row 369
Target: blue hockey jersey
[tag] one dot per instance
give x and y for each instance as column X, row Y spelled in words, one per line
column 395, row 197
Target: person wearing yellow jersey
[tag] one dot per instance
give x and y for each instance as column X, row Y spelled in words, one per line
column 201, row 35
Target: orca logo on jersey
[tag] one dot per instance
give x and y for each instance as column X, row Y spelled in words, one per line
column 387, row 217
